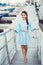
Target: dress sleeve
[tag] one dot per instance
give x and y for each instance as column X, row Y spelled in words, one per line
column 17, row 28
column 31, row 26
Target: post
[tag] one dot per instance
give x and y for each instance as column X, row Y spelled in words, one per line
column 15, row 41
column 7, row 50
column 30, row 2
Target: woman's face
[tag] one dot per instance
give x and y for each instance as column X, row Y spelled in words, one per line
column 23, row 16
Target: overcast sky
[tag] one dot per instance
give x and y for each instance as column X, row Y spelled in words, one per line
column 13, row 1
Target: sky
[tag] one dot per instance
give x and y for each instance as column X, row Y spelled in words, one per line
column 12, row 1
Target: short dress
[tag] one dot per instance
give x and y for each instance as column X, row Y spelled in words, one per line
column 24, row 37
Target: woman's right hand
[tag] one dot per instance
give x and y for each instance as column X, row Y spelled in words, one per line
column 11, row 28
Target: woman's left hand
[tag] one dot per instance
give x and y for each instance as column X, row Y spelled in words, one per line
column 36, row 29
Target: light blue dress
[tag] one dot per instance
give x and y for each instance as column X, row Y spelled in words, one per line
column 24, row 37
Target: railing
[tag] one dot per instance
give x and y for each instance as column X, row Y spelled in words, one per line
column 40, row 46
column 41, row 50
column 7, row 47
column 38, row 37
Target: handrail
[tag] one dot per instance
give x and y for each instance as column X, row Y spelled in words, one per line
column 6, row 44
column 40, row 46
column 3, row 33
column 2, row 47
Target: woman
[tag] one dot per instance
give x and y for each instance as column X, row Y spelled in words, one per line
column 23, row 30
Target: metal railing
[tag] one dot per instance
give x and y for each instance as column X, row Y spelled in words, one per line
column 8, row 46
column 39, row 38
column 7, row 52
column 41, row 46
column 38, row 45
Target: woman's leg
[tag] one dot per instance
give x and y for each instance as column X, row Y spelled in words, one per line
column 24, row 51
column 26, row 48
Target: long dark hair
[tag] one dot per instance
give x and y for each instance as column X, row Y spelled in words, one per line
column 26, row 16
